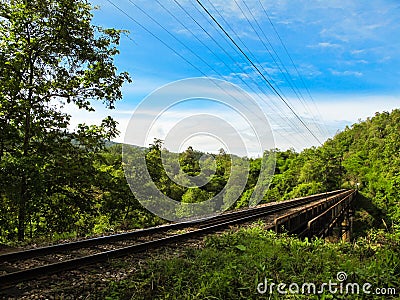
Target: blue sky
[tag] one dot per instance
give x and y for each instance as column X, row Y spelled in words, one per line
column 345, row 54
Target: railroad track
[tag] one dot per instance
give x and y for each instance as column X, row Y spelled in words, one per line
column 31, row 264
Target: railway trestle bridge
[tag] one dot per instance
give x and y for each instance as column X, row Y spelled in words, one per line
column 313, row 216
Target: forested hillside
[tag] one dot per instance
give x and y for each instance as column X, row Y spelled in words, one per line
column 84, row 191
column 366, row 153
column 234, row 264
column 370, row 152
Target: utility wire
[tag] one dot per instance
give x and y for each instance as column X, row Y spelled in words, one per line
column 178, row 54
column 295, row 67
column 285, row 72
column 151, row 18
column 174, row 37
column 244, row 45
column 258, row 70
column 152, row 34
column 232, row 59
column 288, row 78
column 295, row 127
column 172, row 49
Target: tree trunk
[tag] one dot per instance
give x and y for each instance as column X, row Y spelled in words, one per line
column 24, row 188
column 24, row 196
column 22, row 211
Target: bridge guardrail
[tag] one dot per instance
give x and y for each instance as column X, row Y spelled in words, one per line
column 323, row 223
column 296, row 221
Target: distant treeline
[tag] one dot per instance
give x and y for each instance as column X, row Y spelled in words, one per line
column 85, row 191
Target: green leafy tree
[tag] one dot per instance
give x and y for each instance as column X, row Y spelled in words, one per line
column 195, row 195
column 50, row 55
column 189, row 161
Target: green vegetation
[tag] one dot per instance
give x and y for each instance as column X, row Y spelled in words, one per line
column 51, row 55
column 57, row 183
column 233, row 264
column 366, row 153
column 77, row 186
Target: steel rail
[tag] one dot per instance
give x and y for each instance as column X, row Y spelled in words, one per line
column 41, row 251
column 210, row 225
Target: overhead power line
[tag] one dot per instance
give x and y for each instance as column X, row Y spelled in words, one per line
column 169, row 47
column 279, row 114
column 294, row 66
column 285, row 72
column 296, row 129
column 280, row 65
column 270, row 104
column 258, row 71
column 195, row 54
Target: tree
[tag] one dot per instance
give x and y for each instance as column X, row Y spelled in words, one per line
column 195, row 195
column 50, row 54
column 189, row 161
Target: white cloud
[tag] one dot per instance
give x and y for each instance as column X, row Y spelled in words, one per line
column 334, row 112
column 308, row 70
column 385, row 59
column 182, row 125
column 357, row 51
column 325, row 45
column 357, row 62
column 350, row 108
column 346, row 73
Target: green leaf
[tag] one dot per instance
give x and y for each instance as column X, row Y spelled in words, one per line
column 241, row 247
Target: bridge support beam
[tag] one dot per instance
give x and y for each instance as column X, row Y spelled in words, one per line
column 336, row 219
column 347, row 225
column 345, row 228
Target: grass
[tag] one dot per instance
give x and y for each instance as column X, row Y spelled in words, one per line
column 232, row 265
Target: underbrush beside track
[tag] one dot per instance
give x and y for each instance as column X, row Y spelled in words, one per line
column 231, row 266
